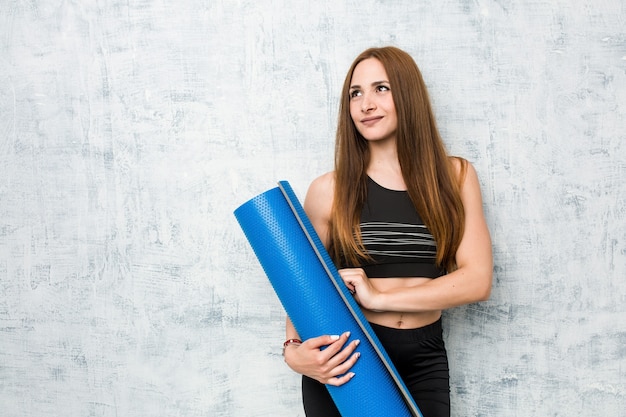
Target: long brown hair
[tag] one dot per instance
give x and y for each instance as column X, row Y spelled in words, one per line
column 428, row 172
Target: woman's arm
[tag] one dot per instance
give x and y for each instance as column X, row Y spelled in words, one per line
column 469, row 283
column 331, row 365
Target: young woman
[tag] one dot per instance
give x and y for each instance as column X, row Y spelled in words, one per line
column 404, row 223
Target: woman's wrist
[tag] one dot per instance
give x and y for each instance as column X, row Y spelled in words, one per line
column 291, row 342
column 378, row 303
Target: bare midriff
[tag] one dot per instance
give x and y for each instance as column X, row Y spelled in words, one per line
column 396, row 319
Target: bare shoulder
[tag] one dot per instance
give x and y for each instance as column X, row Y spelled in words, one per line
column 319, row 197
column 464, row 171
column 323, row 186
column 319, row 202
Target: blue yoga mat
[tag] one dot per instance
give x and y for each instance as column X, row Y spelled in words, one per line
column 310, row 289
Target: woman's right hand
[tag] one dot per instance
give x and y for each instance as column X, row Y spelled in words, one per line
column 328, row 366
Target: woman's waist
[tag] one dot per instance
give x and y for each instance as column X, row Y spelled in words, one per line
column 402, row 320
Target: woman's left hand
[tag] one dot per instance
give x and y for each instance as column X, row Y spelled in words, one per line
column 360, row 286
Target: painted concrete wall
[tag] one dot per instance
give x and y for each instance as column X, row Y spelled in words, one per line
column 130, row 131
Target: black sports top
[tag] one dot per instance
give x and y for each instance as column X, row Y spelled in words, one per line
column 395, row 236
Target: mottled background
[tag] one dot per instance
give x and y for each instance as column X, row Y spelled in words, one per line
column 130, row 131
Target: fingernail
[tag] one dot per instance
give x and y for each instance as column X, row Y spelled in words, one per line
column 347, row 334
column 351, row 375
column 358, row 355
column 357, row 342
column 334, row 337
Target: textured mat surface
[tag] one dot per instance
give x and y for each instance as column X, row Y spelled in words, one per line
column 313, row 295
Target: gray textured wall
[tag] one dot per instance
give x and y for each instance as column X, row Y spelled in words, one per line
column 130, row 131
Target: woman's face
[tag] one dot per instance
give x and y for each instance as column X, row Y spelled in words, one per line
column 371, row 103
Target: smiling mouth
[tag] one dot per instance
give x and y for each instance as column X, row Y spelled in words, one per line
column 371, row 120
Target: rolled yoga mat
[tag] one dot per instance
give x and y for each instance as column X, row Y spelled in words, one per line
column 318, row 303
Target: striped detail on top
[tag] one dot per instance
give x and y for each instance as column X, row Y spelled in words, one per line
column 395, row 237
column 390, row 240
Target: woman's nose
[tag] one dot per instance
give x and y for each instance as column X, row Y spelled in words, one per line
column 367, row 104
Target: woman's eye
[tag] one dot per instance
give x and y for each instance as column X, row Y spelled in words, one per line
column 383, row 88
column 354, row 93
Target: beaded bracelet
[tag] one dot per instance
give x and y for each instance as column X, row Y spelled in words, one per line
column 291, row 342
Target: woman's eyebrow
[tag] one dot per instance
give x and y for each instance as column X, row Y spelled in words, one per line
column 374, row 84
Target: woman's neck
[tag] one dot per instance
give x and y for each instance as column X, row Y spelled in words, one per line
column 384, row 166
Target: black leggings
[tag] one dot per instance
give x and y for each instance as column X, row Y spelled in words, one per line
column 420, row 357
